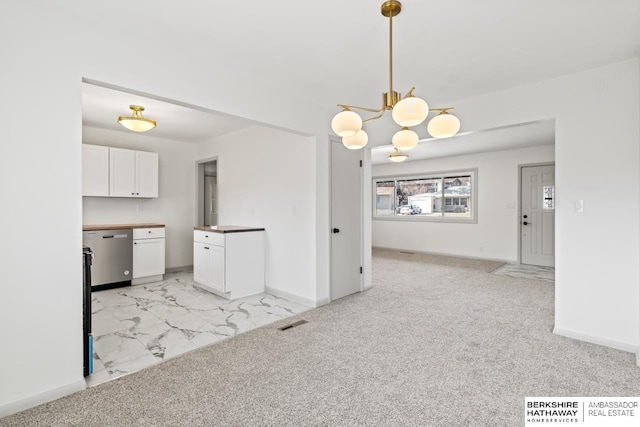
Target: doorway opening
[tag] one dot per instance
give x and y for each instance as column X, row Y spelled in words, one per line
column 210, row 193
column 207, row 192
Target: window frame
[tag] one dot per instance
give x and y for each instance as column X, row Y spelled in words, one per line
column 473, row 204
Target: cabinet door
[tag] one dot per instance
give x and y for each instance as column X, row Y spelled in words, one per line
column 122, row 181
column 148, row 257
column 95, row 170
column 216, row 268
column 146, row 174
column 201, row 262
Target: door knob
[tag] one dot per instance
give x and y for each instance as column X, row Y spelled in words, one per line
column 336, row 230
column 525, row 223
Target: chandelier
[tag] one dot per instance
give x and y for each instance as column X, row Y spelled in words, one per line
column 137, row 122
column 407, row 111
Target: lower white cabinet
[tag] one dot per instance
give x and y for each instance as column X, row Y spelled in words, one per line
column 229, row 264
column 148, row 255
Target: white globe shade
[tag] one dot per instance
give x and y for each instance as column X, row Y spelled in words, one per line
column 356, row 141
column 346, row 123
column 405, row 139
column 398, row 157
column 443, row 125
column 410, row 111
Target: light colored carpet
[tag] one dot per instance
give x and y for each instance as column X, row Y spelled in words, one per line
column 528, row 272
column 435, row 343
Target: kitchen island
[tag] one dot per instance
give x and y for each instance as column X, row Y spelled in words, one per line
column 229, row 260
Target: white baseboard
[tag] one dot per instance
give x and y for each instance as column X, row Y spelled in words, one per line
column 600, row 341
column 296, row 298
column 445, row 254
column 638, row 357
column 39, row 399
column 148, row 279
column 188, row 268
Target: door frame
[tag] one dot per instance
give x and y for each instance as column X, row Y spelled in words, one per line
column 335, row 140
column 519, row 193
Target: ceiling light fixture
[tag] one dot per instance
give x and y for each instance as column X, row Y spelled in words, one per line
column 136, row 122
column 397, row 156
column 407, row 112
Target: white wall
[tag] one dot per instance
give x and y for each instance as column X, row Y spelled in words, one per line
column 494, row 236
column 175, row 206
column 597, row 271
column 41, row 312
column 597, row 114
column 266, row 178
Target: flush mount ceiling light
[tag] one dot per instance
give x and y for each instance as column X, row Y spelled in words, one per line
column 136, row 122
column 397, row 156
column 407, row 111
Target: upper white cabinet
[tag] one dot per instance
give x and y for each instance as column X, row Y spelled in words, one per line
column 133, row 173
column 146, row 174
column 95, row 170
column 117, row 172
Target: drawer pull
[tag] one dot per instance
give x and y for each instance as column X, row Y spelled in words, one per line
column 206, row 247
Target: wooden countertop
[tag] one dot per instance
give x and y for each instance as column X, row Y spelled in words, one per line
column 227, row 228
column 99, row 227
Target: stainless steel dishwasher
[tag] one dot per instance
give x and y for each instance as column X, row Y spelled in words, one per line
column 112, row 257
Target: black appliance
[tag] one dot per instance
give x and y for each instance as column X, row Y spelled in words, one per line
column 87, row 338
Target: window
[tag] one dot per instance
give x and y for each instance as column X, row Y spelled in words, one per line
column 448, row 196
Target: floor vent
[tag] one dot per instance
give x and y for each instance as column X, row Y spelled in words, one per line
column 293, row 325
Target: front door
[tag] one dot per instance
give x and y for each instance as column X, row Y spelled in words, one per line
column 537, row 222
column 346, row 221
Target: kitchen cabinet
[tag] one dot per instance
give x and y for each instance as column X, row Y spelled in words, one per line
column 229, row 264
column 148, row 255
column 95, row 170
column 132, row 173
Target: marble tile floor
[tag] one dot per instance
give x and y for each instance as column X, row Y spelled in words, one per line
column 138, row 326
column 528, row 272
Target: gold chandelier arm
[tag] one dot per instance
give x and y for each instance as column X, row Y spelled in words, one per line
column 442, row 110
column 349, row 107
column 374, row 117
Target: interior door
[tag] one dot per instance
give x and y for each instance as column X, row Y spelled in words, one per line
column 537, row 222
column 346, row 221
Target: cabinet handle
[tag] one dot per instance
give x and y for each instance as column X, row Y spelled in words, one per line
column 135, row 243
column 206, row 247
column 133, row 194
column 149, row 231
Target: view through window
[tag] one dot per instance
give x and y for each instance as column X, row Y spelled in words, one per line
column 447, row 195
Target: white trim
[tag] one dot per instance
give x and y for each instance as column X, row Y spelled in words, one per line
column 296, row 298
column 147, row 279
column 596, row 340
column 638, row 357
column 185, row 268
column 44, row 397
column 445, row 254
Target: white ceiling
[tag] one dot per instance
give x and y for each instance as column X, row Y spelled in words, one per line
column 506, row 138
column 335, row 51
column 102, row 106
